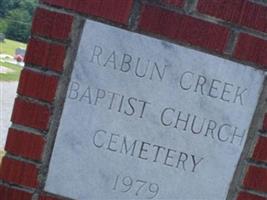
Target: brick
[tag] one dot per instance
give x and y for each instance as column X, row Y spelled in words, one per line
column 264, row 125
column 223, row 9
column 241, row 12
column 13, row 194
column 254, row 16
column 45, row 197
column 47, row 55
column 70, row 4
column 252, row 49
column 183, row 28
column 178, row 3
column 30, row 114
column 24, row 144
column 51, row 24
column 18, row 172
column 260, row 151
column 114, row 10
column 247, row 196
column 37, row 85
column 256, row 179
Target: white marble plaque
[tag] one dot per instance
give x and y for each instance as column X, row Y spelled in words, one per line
column 147, row 119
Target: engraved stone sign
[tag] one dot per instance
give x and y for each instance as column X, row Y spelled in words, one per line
column 148, row 119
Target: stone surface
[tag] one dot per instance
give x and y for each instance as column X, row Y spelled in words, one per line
column 147, row 119
column 7, row 98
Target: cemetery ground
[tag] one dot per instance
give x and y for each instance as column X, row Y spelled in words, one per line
column 9, row 72
column 9, row 46
column 9, row 75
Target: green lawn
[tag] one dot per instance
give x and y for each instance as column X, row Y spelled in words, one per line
column 9, row 47
column 13, row 76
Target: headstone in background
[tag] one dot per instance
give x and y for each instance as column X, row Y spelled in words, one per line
column 20, row 52
column 2, row 37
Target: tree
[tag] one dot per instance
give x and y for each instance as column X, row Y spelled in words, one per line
column 15, row 18
column 28, row 5
column 3, row 26
column 17, row 29
column 7, row 5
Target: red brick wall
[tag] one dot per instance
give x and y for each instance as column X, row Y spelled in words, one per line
column 235, row 30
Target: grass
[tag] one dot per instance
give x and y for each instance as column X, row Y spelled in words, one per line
column 9, row 47
column 12, row 76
